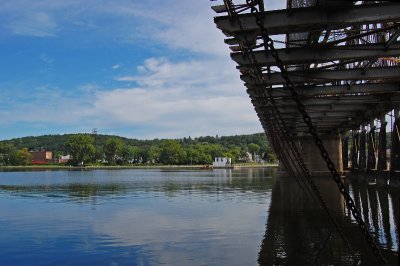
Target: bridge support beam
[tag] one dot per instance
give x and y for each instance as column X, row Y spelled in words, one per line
column 382, row 158
column 313, row 159
column 395, row 149
column 371, row 160
column 362, row 156
column 354, row 152
column 345, row 151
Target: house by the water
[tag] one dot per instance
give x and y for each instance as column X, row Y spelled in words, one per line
column 222, row 162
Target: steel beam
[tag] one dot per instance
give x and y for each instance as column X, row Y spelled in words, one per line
column 362, row 161
column 322, row 108
column 318, row 54
column 324, row 76
column 322, row 121
column 353, row 99
column 355, row 114
column 345, row 152
column 354, row 152
column 309, row 18
column 333, row 126
column 392, row 38
column 316, row 105
column 360, row 35
column 337, row 100
column 371, row 160
column 327, row 115
column 395, row 149
column 312, row 91
column 316, row 102
column 382, row 158
column 327, row 124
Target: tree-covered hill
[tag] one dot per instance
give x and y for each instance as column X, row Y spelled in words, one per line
column 56, row 143
column 120, row 150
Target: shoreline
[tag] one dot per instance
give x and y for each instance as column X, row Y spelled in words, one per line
column 108, row 167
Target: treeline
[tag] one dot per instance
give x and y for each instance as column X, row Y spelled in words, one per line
column 114, row 150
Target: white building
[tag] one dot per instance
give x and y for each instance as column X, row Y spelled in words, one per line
column 222, row 162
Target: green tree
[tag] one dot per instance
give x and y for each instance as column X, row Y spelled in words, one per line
column 270, row 155
column 206, row 153
column 171, row 152
column 6, row 153
column 112, row 150
column 192, row 155
column 99, row 154
column 212, row 151
column 23, row 157
column 130, row 154
column 233, row 153
column 244, row 156
column 153, row 154
column 81, row 148
column 254, row 149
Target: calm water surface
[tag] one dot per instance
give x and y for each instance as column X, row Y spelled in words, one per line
column 133, row 217
column 183, row 217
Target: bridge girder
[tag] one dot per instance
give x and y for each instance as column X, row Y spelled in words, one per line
column 318, row 54
column 311, row 18
column 324, row 76
column 315, row 91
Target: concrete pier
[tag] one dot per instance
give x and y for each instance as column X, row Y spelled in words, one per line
column 312, row 156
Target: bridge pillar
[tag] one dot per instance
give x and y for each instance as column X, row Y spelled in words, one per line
column 345, row 151
column 371, row 160
column 382, row 158
column 312, row 156
column 362, row 157
column 395, row 149
column 354, row 152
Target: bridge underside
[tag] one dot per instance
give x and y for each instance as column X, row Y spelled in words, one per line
column 342, row 57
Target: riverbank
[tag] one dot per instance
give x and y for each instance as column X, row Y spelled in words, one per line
column 108, row 167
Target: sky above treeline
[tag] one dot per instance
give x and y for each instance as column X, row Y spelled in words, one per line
column 138, row 69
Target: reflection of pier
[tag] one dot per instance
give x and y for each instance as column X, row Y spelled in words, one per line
column 299, row 233
column 379, row 207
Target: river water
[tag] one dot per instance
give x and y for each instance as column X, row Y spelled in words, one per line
column 186, row 217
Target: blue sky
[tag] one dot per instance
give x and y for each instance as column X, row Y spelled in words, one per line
column 140, row 69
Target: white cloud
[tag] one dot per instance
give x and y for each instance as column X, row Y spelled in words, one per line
column 192, row 89
column 181, row 99
column 46, row 59
column 116, row 66
column 176, row 24
column 47, row 105
column 36, row 24
column 41, row 18
column 197, row 77
column 169, row 100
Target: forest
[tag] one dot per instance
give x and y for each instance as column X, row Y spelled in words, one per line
column 97, row 149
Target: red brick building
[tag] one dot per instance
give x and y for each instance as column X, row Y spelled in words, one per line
column 41, row 157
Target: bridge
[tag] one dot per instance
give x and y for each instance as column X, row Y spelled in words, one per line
column 325, row 67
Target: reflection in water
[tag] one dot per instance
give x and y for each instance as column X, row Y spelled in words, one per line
column 181, row 217
column 133, row 217
column 379, row 207
column 86, row 184
column 299, row 233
